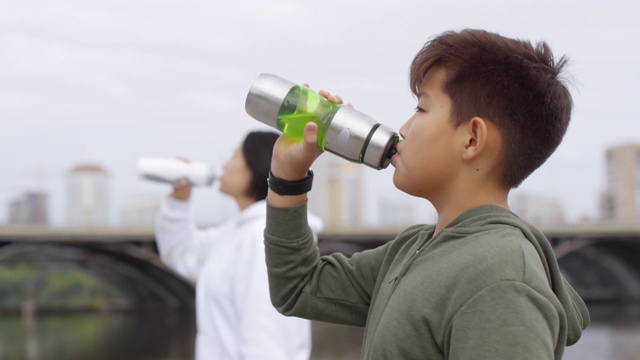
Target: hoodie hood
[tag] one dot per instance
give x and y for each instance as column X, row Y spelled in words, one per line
column 574, row 307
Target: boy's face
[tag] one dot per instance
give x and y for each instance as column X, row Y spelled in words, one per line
column 426, row 161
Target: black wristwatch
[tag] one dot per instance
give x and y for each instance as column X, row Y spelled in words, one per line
column 286, row 187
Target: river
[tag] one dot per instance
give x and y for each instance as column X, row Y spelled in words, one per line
column 613, row 335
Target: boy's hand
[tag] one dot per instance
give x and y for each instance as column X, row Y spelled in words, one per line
column 332, row 98
column 292, row 158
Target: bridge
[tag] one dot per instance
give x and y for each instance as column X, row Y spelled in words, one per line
column 600, row 260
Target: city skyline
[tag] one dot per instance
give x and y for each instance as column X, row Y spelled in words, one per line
column 339, row 185
column 107, row 81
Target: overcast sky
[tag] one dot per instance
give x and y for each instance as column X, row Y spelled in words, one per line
column 110, row 81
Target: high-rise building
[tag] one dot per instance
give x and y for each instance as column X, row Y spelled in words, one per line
column 338, row 192
column 29, row 208
column 87, row 196
column 621, row 198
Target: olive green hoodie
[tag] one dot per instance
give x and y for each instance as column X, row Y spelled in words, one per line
column 486, row 287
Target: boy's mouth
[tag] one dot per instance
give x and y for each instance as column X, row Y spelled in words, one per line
column 394, row 156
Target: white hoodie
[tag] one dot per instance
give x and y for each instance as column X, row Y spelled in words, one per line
column 235, row 317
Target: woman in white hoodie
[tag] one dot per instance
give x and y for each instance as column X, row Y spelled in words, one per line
column 235, row 318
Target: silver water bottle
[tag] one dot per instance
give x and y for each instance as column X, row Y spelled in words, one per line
column 171, row 171
column 342, row 130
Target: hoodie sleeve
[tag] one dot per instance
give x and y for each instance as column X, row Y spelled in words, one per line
column 182, row 246
column 302, row 283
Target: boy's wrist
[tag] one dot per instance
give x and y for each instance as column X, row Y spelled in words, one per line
column 288, row 174
column 276, row 200
column 290, row 187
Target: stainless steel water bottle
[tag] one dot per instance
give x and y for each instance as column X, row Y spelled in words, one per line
column 173, row 170
column 342, row 130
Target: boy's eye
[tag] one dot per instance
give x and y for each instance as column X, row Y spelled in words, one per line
column 419, row 109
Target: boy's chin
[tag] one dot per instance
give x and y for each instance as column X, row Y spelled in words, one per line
column 397, row 181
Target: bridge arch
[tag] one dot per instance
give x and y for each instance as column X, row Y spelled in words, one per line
column 602, row 270
column 136, row 273
column 600, row 260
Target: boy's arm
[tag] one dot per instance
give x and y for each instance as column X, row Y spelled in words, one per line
column 336, row 289
column 329, row 288
column 507, row 320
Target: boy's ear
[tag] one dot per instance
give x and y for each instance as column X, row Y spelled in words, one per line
column 476, row 137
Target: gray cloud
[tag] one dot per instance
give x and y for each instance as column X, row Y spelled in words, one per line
column 109, row 81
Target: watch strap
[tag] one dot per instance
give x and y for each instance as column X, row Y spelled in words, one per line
column 286, row 187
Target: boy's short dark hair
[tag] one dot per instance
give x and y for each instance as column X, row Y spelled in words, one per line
column 511, row 83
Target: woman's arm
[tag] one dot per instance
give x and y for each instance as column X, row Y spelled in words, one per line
column 182, row 247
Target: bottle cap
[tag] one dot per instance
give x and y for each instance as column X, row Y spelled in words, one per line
column 265, row 98
column 358, row 137
column 380, row 147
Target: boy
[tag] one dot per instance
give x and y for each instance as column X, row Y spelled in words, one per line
column 479, row 284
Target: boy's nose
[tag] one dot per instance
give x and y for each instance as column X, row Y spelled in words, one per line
column 403, row 129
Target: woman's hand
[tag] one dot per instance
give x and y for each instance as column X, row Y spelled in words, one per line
column 182, row 190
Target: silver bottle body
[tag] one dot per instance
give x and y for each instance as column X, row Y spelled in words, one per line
column 171, row 171
column 350, row 134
